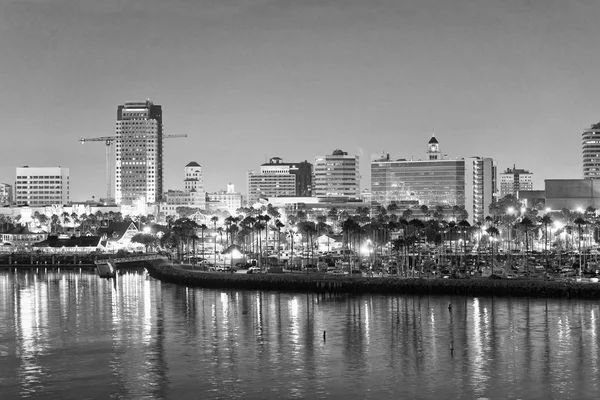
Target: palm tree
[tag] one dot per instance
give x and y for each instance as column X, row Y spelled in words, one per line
column 202, row 228
column 425, row 211
column 214, row 219
column 579, row 221
column 493, row 232
column 265, row 218
column 464, row 226
column 184, row 229
column 546, row 220
column 278, row 226
column 259, row 226
column 526, row 225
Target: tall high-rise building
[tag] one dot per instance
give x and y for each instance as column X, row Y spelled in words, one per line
column 278, row 178
column 337, row 175
column 513, row 180
column 590, row 148
column 480, row 186
column 139, row 153
column 41, row 186
column 436, row 181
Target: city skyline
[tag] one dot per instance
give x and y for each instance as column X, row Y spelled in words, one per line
column 504, row 80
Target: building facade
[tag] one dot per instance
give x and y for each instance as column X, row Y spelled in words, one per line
column 39, row 186
column 193, row 195
column 337, row 175
column 278, row 178
column 573, row 194
column 6, row 194
column 468, row 183
column 139, row 153
column 590, row 148
column 480, row 186
column 226, row 200
column 513, row 180
column 435, row 182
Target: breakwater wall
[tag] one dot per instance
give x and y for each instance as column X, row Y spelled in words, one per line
column 18, row 267
column 322, row 283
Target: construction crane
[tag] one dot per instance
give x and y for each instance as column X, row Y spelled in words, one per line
column 108, row 141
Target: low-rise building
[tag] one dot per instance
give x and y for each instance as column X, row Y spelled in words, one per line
column 225, row 200
column 38, row 186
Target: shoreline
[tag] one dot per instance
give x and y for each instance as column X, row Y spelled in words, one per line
column 322, row 283
column 50, row 266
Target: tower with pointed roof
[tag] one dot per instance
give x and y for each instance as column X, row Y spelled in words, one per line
column 193, row 195
column 193, row 177
column 433, row 149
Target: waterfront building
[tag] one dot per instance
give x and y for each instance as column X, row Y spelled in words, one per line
column 590, row 149
column 468, row 183
column 117, row 235
column 278, row 178
column 225, row 200
column 513, row 180
column 193, row 196
column 139, row 153
column 337, row 175
column 21, row 237
column 6, row 194
column 39, row 186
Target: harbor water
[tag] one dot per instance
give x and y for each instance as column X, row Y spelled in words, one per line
column 72, row 335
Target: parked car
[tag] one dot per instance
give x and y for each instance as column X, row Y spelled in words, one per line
column 253, row 270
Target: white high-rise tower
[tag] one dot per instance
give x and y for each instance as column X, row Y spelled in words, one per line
column 138, row 153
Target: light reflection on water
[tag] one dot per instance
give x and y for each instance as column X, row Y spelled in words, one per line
column 73, row 335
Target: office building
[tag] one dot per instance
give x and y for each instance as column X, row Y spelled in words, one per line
column 590, row 148
column 337, row 175
column 513, row 180
column 139, row 153
column 278, row 178
column 6, row 194
column 436, row 181
column 39, row 186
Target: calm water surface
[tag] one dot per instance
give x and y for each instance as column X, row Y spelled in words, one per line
column 71, row 335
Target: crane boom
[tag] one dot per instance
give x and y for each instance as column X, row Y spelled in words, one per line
column 108, row 141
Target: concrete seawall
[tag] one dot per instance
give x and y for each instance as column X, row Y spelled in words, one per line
column 51, row 266
column 322, row 283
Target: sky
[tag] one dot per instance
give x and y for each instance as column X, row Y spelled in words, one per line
column 247, row 80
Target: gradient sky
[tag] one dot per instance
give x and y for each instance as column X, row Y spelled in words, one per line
column 514, row 80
